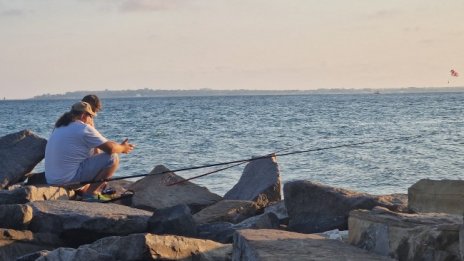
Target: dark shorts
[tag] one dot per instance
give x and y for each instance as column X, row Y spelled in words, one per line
column 92, row 166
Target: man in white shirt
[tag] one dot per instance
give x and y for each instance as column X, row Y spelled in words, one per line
column 70, row 156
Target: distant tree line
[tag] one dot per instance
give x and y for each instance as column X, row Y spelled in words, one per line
column 210, row 92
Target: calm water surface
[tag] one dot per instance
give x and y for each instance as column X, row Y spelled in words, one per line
column 189, row 131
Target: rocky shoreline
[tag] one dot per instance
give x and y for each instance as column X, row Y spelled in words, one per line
column 253, row 221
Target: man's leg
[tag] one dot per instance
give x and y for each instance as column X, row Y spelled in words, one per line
column 106, row 173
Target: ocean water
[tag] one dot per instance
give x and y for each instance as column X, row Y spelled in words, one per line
column 181, row 132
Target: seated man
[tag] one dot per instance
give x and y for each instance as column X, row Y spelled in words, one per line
column 70, row 156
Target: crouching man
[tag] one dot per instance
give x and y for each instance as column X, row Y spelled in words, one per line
column 71, row 153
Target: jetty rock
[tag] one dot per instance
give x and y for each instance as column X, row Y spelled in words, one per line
column 20, row 153
column 153, row 192
column 260, row 182
column 233, row 211
column 223, row 231
column 74, row 221
column 425, row 236
column 175, row 220
column 141, row 247
column 445, row 196
column 25, row 194
column 270, row 244
column 16, row 243
column 313, row 207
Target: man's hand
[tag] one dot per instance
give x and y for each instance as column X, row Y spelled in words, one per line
column 127, row 146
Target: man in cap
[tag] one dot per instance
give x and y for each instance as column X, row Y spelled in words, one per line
column 70, row 156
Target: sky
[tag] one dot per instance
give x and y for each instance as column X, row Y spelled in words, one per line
column 58, row 46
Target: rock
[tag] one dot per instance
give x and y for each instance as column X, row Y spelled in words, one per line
column 218, row 231
column 223, row 231
column 153, row 192
column 20, row 153
column 268, row 244
column 233, row 211
column 36, row 179
column 175, row 220
column 445, row 196
column 260, row 182
column 26, row 194
column 145, row 247
column 15, row 216
column 33, row 256
column 83, row 222
column 314, row 207
column 335, row 234
column 15, row 243
column 403, row 236
column 461, row 241
column 279, row 209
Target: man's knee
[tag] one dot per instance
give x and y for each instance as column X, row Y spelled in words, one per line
column 114, row 160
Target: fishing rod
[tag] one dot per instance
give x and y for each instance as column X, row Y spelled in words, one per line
column 241, row 161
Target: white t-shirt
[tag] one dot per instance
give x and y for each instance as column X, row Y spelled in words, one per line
column 66, row 148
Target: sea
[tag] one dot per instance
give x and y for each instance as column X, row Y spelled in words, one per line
column 373, row 143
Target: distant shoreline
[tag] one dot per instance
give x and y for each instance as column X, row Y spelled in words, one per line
column 141, row 93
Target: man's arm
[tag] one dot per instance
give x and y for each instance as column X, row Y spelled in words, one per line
column 111, row 147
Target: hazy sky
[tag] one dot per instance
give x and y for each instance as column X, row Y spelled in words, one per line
column 55, row 46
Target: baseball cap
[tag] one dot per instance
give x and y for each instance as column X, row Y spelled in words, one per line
column 83, row 107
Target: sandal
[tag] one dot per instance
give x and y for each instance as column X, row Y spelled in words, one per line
column 95, row 198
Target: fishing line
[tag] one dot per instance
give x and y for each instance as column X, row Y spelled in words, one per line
column 241, row 161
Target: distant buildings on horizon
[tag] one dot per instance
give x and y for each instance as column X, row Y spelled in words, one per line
column 210, row 92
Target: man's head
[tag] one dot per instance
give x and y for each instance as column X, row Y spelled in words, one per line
column 94, row 102
column 82, row 108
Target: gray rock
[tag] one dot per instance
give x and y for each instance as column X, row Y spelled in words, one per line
column 218, row 231
column 279, row 209
column 403, row 236
column 145, row 247
column 445, row 196
column 175, row 220
column 260, row 182
column 33, row 256
column 223, row 231
column 36, row 179
column 461, row 241
column 233, row 211
column 82, row 222
column 27, row 194
column 20, row 153
column 153, row 192
column 268, row 244
column 15, row 216
column 314, row 207
column 15, row 243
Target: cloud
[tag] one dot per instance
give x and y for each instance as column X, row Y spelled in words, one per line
column 12, row 12
column 385, row 13
column 150, row 5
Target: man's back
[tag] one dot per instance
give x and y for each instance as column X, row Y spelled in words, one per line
column 66, row 148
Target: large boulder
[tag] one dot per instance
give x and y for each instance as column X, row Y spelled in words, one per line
column 15, row 216
column 268, row 244
column 20, row 153
column 83, row 222
column 144, row 247
column 15, row 243
column 431, row 236
column 175, row 220
column 223, row 231
column 233, row 211
column 445, row 196
column 260, row 182
column 154, row 192
column 313, row 207
column 279, row 209
column 461, row 241
column 26, row 194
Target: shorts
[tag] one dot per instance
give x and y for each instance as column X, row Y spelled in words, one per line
column 91, row 167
